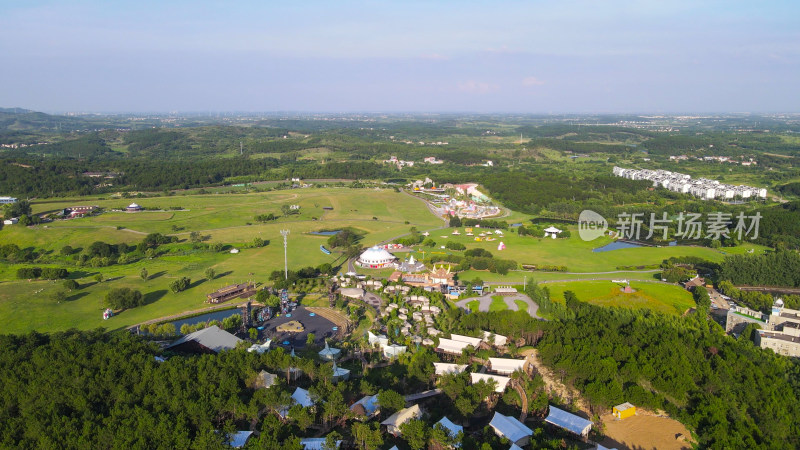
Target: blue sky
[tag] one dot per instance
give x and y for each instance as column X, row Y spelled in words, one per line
column 386, row 56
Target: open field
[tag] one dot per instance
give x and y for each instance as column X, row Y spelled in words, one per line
column 665, row 298
column 228, row 219
column 27, row 305
column 574, row 252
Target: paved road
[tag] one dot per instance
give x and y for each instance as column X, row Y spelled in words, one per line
column 486, row 300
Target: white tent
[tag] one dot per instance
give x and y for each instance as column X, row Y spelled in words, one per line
column 451, row 346
column 445, row 368
column 400, row 417
column 498, row 339
column 568, row 421
column 502, row 382
column 506, row 366
column 393, row 350
column 452, row 429
column 302, row 398
column 475, row 342
column 511, row 429
column 329, row 353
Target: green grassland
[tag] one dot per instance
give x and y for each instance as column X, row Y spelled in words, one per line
column 27, row 305
column 228, row 218
column 576, row 253
column 665, row 298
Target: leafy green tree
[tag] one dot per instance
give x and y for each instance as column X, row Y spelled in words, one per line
column 455, row 222
column 124, row 298
column 29, row 273
column 416, row 433
column 195, row 237
column 258, row 242
column 310, row 339
column 253, row 333
column 98, row 278
column 366, row 436
column 58, row 296
column 210, row 273
column 143, row 274
column 391, row 401
column 66, row 250
column 179, row 285
column 71, row 285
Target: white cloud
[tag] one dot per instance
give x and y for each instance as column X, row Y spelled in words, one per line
column 532, row 81
column 477, row 87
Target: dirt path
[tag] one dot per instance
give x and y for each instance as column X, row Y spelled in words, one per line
column 552, row 383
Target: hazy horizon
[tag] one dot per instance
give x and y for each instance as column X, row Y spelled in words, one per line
column 508, row 57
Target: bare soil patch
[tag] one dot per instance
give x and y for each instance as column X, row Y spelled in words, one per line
column 645, row 431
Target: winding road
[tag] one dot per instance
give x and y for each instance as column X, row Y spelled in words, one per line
column 486, row 300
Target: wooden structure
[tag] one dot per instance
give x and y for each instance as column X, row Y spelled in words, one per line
column 231, row 292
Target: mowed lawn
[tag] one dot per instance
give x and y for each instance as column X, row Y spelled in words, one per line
column 665, row 298
column 26, row 306
column 575, row 253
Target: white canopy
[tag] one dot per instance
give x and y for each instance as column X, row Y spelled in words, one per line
column 451, row 346
column 445, row 368
column 475, row 342
column 506, row 365
column 510, row 428
column 502, row 382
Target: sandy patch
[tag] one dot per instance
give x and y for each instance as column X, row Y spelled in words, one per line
column 645, row 432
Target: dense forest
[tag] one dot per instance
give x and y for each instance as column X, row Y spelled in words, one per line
column 781, row 268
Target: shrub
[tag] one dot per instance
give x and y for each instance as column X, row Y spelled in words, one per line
column 28, row 272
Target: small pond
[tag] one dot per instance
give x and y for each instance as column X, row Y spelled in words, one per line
column 213, row 315
column 616, row 245
column 325, row 233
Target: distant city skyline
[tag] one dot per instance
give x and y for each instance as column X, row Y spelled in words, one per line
column 507, row 56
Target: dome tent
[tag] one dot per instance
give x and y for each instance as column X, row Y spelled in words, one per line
column 376, row 258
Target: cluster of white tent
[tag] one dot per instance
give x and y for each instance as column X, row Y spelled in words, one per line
column 457, row 343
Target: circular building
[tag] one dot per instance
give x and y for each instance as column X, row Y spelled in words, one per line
column 133, row 207
column 376, row 258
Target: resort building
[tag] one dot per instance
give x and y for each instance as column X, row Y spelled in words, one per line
column 231, row 292
column 7, row 200
column 701, row 187
column 782, row 333
column 133, row 207
column 376, row 258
